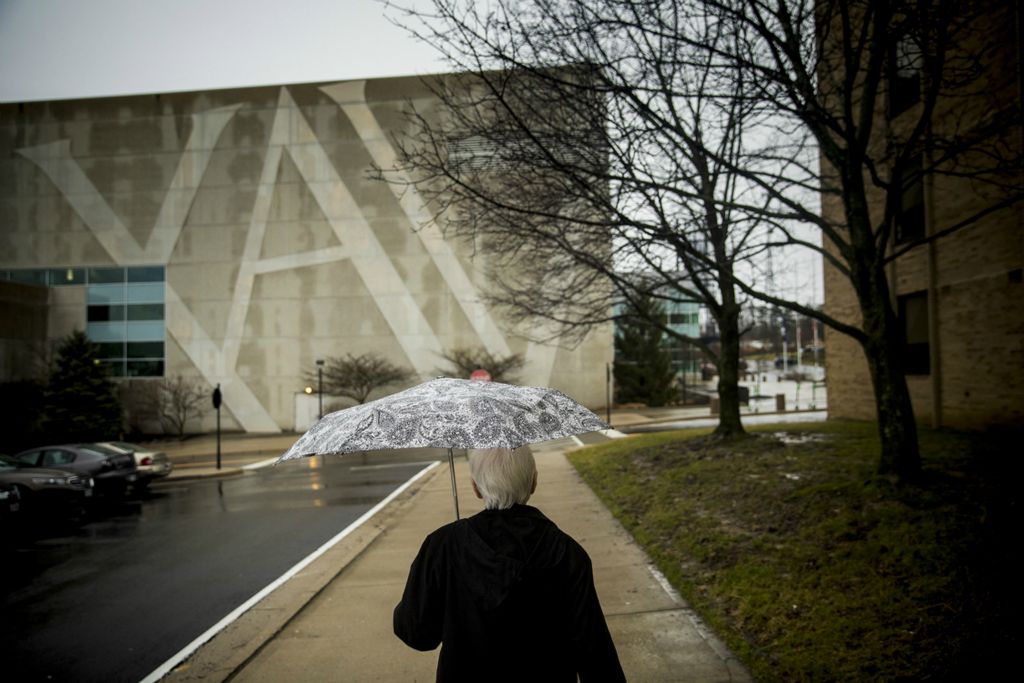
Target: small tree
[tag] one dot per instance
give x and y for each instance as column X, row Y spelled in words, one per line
column 80, row 401
column 501, row 368
column 356, row 377
column 643, row 367
column 180, row 399
column 141, row 401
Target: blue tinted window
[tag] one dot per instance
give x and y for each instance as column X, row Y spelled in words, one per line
column 105, row 294
column 146, row 274
column 146, row 312
column 29, row 277
column 105, row 275
column 148, row 293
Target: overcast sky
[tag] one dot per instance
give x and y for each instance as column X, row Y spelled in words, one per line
column 64, row 49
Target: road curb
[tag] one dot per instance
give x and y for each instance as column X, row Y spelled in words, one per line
column 228, row 652
column 184, row 475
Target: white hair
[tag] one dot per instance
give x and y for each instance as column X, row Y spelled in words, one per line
column 504, row 477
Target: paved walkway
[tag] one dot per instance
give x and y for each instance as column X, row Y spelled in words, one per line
column 332, row 620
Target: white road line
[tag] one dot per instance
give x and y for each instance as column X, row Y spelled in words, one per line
column 391, row 465
column 576, row 440
column 185, row 652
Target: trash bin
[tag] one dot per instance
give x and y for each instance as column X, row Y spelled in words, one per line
column 780, row 403
column 744, row 393
column 715, row 407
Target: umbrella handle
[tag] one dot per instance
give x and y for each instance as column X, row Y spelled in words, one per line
column 455, row 495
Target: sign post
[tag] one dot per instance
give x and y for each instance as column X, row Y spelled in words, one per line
column 608, row 392
column 216, row 406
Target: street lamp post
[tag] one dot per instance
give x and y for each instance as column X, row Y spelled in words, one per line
column 320, row 386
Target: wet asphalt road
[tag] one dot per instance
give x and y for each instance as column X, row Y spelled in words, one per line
column 114, row 598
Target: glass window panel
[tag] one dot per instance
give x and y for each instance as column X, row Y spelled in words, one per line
column 146, row 312
column 146, row 350
column 57, row 457
column 116, row 368
column 105, row 294
column 146, row 274
column 146, row 293
column 145, row 368
column 106, row 332
column 29, row 277
column 110, row 350
column 105, row 275
column 100, row 314
column 67, row 276
column 145, row 331
column 913, row 310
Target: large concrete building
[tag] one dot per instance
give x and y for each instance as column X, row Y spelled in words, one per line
column 960, row 297
column 236, row 236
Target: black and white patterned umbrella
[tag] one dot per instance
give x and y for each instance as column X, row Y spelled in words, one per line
column 449, row 413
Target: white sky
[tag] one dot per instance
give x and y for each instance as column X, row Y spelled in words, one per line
column 65, row 49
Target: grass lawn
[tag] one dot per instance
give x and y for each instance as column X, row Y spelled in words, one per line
column 811, row 567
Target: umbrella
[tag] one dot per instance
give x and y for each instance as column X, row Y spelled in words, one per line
column 449, row 413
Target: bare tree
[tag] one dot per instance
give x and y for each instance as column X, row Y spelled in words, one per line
column 501, row 368
column 356, row 377
column 180, row 399
column 604, row 148
column 590, row 153
column 895, row 95
column 141, row 401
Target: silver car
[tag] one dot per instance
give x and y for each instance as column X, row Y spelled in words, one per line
column 151, row 464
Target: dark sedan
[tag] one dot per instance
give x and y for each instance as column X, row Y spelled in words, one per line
column 45, row 490
column 112, row 471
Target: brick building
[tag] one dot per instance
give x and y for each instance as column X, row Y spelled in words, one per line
column 960, row 298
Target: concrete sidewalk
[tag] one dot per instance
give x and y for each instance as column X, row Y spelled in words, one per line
column 332, row 621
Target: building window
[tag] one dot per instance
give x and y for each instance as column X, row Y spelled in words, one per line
column 913, row 312
column 906, row 60
column 124, row 312
column 910, row 215
column 126, row 318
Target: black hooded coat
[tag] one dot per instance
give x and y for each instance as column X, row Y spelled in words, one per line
column 509, row 597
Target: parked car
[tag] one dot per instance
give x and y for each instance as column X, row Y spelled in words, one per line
column 45, row 490
column 150, row 463
column 112, row 471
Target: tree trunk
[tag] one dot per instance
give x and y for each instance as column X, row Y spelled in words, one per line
column 729, row 424
column 883, row 347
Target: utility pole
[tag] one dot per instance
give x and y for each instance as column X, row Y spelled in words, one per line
column 216, row 406
column 320, row 387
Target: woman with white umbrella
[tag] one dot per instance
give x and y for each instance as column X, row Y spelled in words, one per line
column 506, row 593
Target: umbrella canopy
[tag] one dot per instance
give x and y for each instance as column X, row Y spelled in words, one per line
column 449, row 413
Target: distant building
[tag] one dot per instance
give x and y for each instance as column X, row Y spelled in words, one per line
column 235, row 236
column 960, row 298
column 682, row 317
